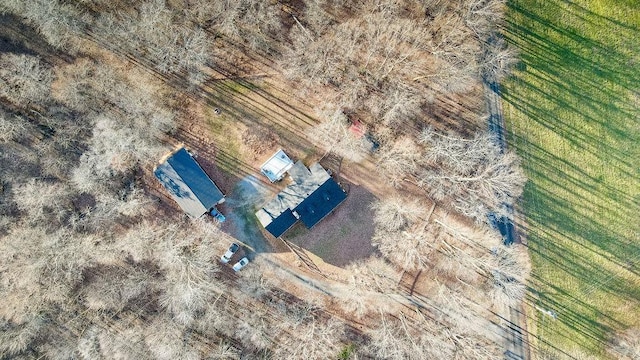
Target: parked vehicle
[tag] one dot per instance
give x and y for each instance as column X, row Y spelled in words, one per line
column 232, row 250
column 217, row 215
column 240, row 264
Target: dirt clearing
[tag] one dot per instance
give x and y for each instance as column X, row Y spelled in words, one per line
column 344, row 236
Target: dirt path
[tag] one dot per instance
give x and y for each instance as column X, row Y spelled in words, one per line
column 332, row 288
column 516, row 326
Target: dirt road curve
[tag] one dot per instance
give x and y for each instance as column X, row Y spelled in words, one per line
column 516, row 343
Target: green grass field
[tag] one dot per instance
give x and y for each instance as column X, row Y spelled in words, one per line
column 573, row 112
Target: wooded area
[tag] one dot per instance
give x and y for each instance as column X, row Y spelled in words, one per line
column 94, row 265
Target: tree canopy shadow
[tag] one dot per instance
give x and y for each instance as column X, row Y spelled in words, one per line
column 572, row 101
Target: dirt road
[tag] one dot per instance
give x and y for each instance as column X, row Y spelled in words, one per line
column 515, row 327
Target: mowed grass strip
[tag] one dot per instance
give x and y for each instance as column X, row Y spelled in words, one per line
column 573, row 109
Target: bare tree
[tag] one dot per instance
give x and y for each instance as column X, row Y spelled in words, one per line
column 499, row 58
column 116, row 342
column 112, row 287
column 60, row 345
column 396, row 213
column 299, row 313
column 258, row 140
column 370, row 279
column 24, row 79
column 399, row 106
column 482, row 16
column 626, row 346
column 406, row 338
column 508, row 269
column 88, row 344
column 188, row 268
column 334, row 135
column 216, row 318
column 125, row 131
column 166, row 341
column 401, row 234
column 466, row 316
column 473, row 173
column 225, row 351
column 366, row 59
column 155, row 35
column 256, row 24
column 390, row 341
column 254, row 283
column 90, row 87
column 465, row 251
column 16, row 338
column 317, row 340
column 43, row 202
column 374, row 274
column 354, row 302
column 461, row 332
column 406, row 248
column 115, row 151
column 399, row 160
column 13, row 127
column 255, row 331
column 58, row 22
column 22, row 290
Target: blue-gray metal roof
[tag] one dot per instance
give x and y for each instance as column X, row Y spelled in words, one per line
column 281, row 224
column 188, row 184
column 320, row 203
column 312, row 195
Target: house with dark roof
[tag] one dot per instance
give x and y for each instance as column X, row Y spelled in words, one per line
column 311, row 196
column 188, row 184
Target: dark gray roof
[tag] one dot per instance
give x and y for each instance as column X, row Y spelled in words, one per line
column 320, row 203
column 282, row 223
column 310, row 197
column 188, row 184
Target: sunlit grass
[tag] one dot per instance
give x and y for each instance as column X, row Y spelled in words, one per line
column 572, row 109
column 227, row 139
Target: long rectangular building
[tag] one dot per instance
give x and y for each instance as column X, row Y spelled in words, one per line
column 188, row 184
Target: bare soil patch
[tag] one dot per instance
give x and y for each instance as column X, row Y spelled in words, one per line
column 344, row 236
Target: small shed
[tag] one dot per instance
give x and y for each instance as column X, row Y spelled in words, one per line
column 277, row 166
column 187, row 183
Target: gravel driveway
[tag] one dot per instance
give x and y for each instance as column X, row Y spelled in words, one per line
column 247, row 195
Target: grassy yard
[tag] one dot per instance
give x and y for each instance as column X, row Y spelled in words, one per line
column 573, row 111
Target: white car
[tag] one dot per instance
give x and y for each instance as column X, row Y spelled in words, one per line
column 232, row 250
column 240, row 264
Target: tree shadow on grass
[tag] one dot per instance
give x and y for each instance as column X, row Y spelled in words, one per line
column 573, row 95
